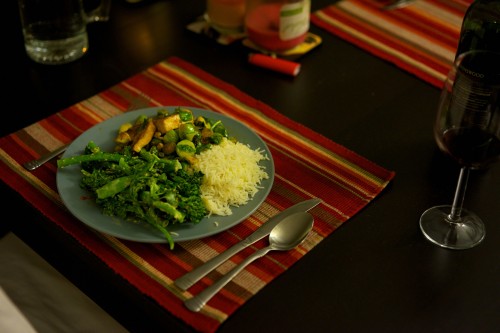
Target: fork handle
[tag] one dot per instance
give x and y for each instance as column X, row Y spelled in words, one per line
column 197, row 302
column 190, row 278
column 398, row 4
column 32, row 165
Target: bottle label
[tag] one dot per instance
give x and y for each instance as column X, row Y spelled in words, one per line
column 294, row 19
column 477, row 88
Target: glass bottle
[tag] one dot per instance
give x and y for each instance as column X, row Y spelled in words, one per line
column 226, row 16
column 480, row 27
column 277, row 25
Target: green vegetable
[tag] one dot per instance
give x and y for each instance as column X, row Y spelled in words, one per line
column 171, row 136
column 218, row 127
column 162, row 113
column 187, row 131
column 99, row 156
column 186, row 150
column 169, row 209
column 113, row 187
column 141, row 187
column 186, row 115
column 141, row 120
column 216, row 138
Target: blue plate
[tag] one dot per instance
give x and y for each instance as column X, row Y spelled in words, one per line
column 103, row 134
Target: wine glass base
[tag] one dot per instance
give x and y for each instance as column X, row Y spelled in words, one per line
column 465, row 233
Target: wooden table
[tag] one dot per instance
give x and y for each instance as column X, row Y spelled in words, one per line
column 377, row 272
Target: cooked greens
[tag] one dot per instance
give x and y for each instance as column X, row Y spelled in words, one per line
column 143, row 180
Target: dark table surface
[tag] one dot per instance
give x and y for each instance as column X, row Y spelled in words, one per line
column 376, row 272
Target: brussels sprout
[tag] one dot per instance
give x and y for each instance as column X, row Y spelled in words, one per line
column 186, row 150
column 171, row 136
column 216, row 138
column 185, row 114
column 218, row 127
column 202, row 147
column 201, row 121
column 187, row 131
column 162, row 113
column 141, row 120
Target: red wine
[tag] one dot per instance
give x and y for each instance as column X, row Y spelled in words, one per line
column 472, row 147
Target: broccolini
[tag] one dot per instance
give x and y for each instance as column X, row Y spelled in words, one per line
column 141, row 187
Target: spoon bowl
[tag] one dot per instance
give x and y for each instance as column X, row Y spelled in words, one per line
column 285, row 236
column 291, row 231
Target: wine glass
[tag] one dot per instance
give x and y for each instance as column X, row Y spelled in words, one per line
column 467, row 128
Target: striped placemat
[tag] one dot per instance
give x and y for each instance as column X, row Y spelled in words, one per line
column 421, row 38
column 306, row 165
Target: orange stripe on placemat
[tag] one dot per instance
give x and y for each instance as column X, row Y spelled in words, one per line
column 420, row 38
column 307, row 165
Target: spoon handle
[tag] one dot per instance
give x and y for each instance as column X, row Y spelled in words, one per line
column 197, row 302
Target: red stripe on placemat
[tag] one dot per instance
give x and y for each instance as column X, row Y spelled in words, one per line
column 420, row 38
column 307, row 165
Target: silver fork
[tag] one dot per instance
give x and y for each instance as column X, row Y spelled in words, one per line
column 32, row 165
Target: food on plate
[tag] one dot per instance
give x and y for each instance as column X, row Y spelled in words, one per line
column 232, row 175
column 164, row 170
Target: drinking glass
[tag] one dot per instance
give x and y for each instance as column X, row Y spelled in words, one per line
column 55, row 31
column 467, row 128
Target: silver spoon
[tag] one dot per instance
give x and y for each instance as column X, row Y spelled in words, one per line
column 285, row 236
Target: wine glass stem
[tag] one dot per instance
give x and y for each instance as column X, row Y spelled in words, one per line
column 456, row 208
